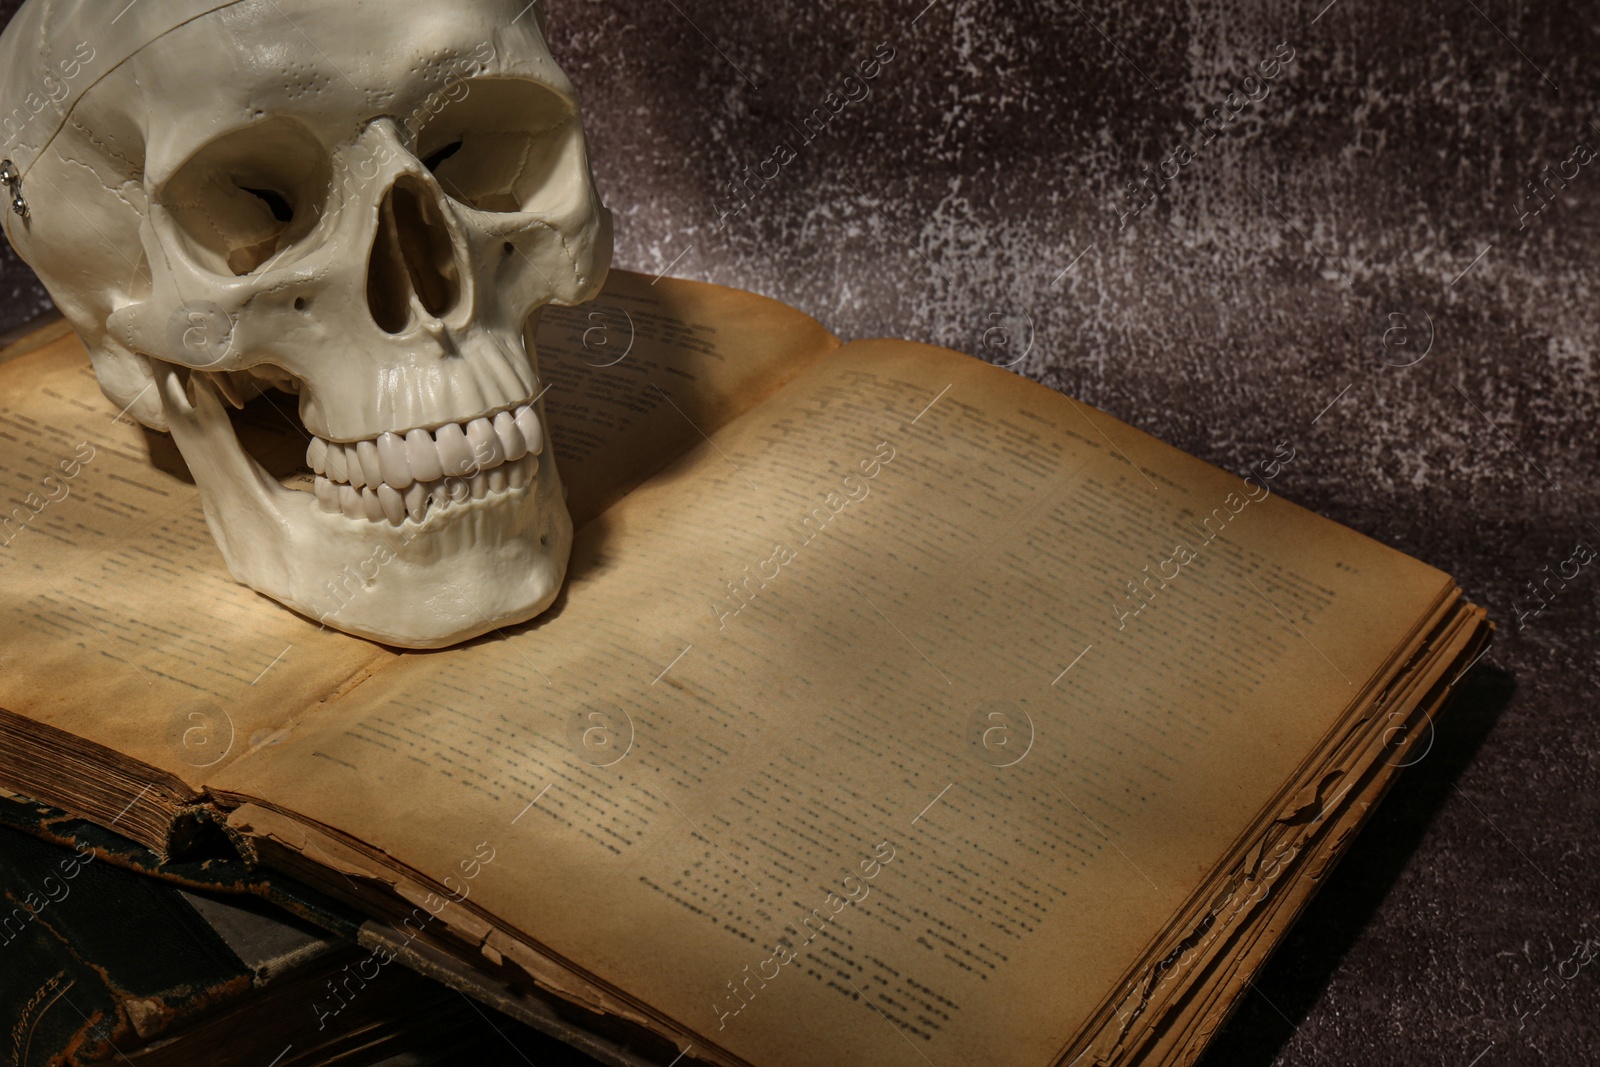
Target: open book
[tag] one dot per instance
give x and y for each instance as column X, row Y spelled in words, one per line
column 898, row 710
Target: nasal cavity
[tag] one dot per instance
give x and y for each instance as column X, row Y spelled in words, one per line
column 412, row 254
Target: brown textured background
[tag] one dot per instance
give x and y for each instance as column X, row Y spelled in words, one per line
column 1389, row 154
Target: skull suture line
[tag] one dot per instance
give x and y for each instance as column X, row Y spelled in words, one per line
column 363, row 206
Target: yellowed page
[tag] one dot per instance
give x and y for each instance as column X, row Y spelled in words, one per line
column 643, row 372
column 772, row 714
column 119, row 623
column 1198, row 979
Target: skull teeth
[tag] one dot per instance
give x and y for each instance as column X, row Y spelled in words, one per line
column 398, row 461
column 422, row 457
column 393, row 505
column 388, row 504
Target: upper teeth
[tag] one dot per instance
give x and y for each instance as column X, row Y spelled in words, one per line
column 422, row 462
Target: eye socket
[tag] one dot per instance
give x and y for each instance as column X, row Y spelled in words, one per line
column 505, row 145
column 281, row 209
column 248, row 196
column 432, row 162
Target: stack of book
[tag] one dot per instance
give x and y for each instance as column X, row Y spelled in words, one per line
column 107, row 955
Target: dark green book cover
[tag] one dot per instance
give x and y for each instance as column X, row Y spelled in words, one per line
column 74, row 980
column 109, row 956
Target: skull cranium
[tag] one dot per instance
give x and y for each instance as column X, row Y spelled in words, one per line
column 363, row 208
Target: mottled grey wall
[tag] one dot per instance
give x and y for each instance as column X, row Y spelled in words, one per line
column 976, row 197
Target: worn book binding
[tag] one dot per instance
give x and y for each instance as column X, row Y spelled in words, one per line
column 897, row 709
column 203, row 960
column 101, row 965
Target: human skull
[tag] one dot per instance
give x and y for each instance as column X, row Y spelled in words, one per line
column 365, row 205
